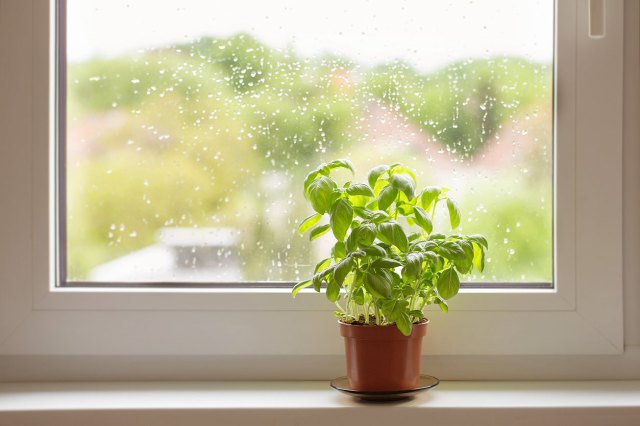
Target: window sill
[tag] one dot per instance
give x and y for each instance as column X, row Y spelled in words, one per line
column 314, row 403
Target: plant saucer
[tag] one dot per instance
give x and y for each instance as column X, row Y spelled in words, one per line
column 425, row 382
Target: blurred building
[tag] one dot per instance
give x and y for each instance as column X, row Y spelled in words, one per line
column 181, row 254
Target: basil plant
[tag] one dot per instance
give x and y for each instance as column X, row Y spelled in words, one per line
column 388, row 263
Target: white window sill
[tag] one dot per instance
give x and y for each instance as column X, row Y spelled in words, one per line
column 314, row 403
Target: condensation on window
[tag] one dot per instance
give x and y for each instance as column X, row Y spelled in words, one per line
column 191, row 125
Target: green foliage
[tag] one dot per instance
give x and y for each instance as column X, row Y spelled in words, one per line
column 384, row 244
column 257, row 108
column 465, row 104
column 296, row 102
column 519, row 228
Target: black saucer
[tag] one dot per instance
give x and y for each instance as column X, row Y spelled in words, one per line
column 425, row 382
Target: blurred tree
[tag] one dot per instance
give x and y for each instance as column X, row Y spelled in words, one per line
column 465, row 104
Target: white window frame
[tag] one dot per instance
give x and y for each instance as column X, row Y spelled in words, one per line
column 583, row 315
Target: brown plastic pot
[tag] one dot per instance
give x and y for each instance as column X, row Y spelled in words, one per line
column 381, row 358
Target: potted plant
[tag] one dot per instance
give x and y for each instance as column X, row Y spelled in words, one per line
column 386, row 266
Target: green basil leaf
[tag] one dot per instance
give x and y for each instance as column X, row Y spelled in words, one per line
column 360, row 189
column 393, row 309
column 339, row 250
column 422, row 219
column 408, row 291
column 467, row 246
column 431, row 257
column 378, row 285
column 385, row 263
column 403, row 183
column 451, row 250
column 317, row 282
column 414, row 236
column 405, row 209
column 398, row 168
column 363, row 212
column 322, row 265
column 341, row 218
column 358, row 254
column 309, row 222
column 300, row 286
column 379, row 216
column 428, row 245
column 319, row 277
column 429, row 196
column 307, row 181
column 374, row 250
column 480, row 240
column 454, row 213
column 320, row 194
column 448, row 283
column 319, row 231
column 392, row 233
column 478, row 257
column 358, row 296
column 324, row 169
column 465, row 265
column 394, row 165
column 394, row 278
column 444, row 306
column 413, row 266
column 396, row 311
column 343, row 163
column 375, row 173
column 403, row 322
column 387, row 197
column 333, row 290
column 341, row 270
column 366, row 234
column 352, row 240
column 325, row 272
column 358, row 200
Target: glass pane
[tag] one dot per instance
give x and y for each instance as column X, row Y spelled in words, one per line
column 191, row 125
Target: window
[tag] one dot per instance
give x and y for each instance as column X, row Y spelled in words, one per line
column 576, row 317
column 188, row 134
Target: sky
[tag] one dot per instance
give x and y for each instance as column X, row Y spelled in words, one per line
column 426, row 33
